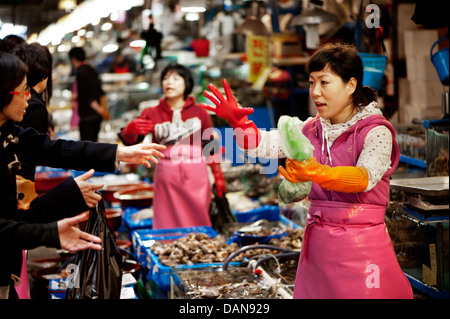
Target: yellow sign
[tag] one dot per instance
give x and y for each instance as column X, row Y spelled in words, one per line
column 258, row 56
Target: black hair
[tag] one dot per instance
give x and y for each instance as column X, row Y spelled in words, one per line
column 184, row 72
column 12, row 73
column 10, row 42
column 344, row 61
column 77, row 53
column 35, row 57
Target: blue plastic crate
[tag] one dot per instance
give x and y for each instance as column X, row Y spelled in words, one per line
column 130, row 224
column 267, row 212
column 157, row 272
column 142, row 239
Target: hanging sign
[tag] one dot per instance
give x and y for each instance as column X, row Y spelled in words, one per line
column 258, row 56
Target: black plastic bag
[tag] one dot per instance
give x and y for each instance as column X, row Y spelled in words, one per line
column 219, row 211
column 97, row 273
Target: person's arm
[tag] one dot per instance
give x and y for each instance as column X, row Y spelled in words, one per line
column 346, row 179
column 373, row 162
column 376, row 154
column 23, row 235
column 61, row 234
column 71, row 197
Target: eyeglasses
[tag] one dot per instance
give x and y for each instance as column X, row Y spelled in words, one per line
column 21, row 93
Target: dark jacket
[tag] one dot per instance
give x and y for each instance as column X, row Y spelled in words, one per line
column 37, row 226
column 36, row 116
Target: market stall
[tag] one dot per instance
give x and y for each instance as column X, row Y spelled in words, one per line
column 251, row 249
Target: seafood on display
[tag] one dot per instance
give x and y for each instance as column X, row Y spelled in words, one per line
column 194, row 248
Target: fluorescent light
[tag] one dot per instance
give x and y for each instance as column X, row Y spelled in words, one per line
column 193, row 5
column 193, row 9
column 106, row 26
column 109, row 48
column 137, row 43
column 192, row 16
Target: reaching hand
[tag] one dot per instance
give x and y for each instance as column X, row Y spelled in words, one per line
column 227, row 108
column 88, row 190
column 72, row 238
column 140, row 153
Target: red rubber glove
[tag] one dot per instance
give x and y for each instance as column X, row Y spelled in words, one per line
column 245, row 131
column 137, row 127
column 219, row 180
column 346, row 179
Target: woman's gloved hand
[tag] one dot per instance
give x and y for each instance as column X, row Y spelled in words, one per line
column 246, row 133
column 137, row 127
column 346, row 179
column 219, row 179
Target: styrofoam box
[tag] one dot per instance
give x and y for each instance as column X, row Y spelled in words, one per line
column 420, row 67
column 425, row 93
column 419, row 42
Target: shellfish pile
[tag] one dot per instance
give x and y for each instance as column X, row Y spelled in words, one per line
column 292, row 241
column 195, row 248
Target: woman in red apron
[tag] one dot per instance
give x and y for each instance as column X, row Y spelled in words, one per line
column 182, row 189
column 346, row 250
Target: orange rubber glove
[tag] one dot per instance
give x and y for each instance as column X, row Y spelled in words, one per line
column 246, row 133
column 346, row 179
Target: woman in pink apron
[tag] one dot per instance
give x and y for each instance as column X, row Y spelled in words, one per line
column 182, row 190
column 346, row 251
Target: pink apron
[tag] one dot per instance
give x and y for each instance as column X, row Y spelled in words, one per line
column 347, row 253
column 23, row 289
column 182, row 189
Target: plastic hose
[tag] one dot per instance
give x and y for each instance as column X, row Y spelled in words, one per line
column 287, row 254
column 240, row 250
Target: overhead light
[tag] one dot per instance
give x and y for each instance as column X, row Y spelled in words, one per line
column 252, row 24
column 193, row 6
column 310, row 18
column 106, row 26
column 137, row 44
column 81, row 32
column 63, row 48
column 109, row 48
column 192, row 16
column 67, row 5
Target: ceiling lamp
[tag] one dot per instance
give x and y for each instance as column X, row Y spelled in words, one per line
column 190, row 6
column 310, row 18
column 252, row 24
column 67, row 5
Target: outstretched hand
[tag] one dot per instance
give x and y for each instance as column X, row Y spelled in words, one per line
column 89, row 190
column 228, row 108
column 72, row 238
column 140, row 153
